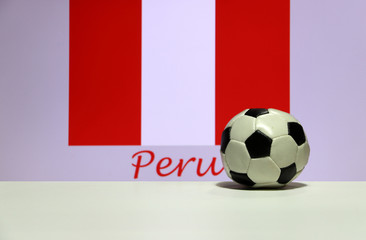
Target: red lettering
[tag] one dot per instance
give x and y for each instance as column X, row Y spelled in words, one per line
column 181, row 167
column 167, row 162
column 159, row 167
column 139, row 159
column 212, row 166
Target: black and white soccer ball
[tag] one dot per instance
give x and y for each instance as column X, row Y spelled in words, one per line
column 264, row 148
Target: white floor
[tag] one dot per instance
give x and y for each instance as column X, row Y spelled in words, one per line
column 180, row 210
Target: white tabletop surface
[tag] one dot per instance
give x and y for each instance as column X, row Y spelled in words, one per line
column 180, row 210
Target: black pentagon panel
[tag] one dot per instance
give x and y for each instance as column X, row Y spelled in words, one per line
column 287, row 173
column 296, row 131
column 225, row 139
column 255, row 112
column 258, row 145
column 242, row 178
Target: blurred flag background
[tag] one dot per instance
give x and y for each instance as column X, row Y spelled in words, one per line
column 84, row 85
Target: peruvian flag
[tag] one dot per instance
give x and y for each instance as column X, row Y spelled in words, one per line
column 173, row 72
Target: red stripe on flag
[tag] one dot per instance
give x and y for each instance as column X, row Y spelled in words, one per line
column 105, row 72
column 252, row 57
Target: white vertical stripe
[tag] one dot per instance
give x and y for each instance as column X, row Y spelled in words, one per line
column 178, row 72
column 328, row 73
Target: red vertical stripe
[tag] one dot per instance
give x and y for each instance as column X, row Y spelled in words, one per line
column 252, row 57
column 105, row 72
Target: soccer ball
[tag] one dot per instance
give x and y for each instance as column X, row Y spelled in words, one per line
column 264, row 148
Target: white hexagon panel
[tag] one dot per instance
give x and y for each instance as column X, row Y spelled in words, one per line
column 272, row 125
column 237, row 156
column 284, row 151
column 263, row 170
